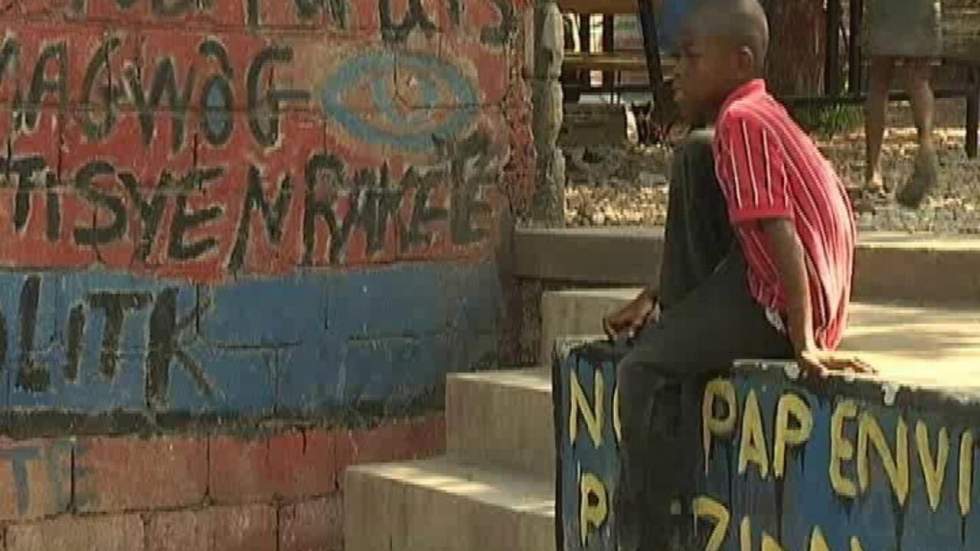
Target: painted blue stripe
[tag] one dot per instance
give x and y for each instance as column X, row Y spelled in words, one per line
column 307, row 342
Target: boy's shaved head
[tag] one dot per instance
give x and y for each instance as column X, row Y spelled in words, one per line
column 741, row 21
column 723, row 46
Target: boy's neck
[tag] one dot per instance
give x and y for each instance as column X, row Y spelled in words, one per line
column 733, row 87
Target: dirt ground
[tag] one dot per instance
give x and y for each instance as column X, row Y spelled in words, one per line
column 627, row 185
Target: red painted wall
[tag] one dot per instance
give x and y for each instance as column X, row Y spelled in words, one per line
column 201, row 146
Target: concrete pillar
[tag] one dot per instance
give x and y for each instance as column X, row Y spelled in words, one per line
column 548, row 203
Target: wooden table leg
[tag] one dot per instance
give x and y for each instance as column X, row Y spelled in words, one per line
column 832, row 65
column 855, row 60
column 651, row 47
column 973, row 114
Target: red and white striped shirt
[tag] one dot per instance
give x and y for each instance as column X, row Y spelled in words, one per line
column 769, row 168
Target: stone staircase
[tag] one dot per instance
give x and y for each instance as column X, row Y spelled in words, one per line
column 494, row 489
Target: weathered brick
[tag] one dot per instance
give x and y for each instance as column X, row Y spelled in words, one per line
column 120, row 474
column 316, row 525
column 250, row 528
column 398, row 440
column 214, row 529
column 179, row 530
column 73, row 533
column 35, row 478
column 289, row 465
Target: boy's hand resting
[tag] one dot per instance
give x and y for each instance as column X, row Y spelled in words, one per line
column 822, row 362
column 631, row 318
column 787, row 253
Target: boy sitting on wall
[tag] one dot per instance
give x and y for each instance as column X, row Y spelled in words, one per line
column 778, row 290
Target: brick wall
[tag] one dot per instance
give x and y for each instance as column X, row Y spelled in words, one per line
column 220, row 216
column 263, row 491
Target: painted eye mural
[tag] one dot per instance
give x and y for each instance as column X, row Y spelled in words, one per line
column 402, row 99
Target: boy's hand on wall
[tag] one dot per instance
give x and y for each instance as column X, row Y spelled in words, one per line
column 631, row 318
column 822, row 362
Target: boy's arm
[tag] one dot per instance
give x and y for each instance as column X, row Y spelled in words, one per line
column 788, row 255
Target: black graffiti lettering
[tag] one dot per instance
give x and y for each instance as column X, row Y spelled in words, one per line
column 165, row 8
column 324, row 175
column 217, row 122
column 151, row 212
column 42, row 86
column 266, row 132
column 416, row 18
column 9, row 56
column 115, row 306
column 9, row 53
column 252, row 13
column 310, row 9
column 456, row 11
column 423, row 213
column 52, row 183
column 468, row 172
column 379, row 206
column 170, row 8
column 502, row 33
column 273, row 215
column 31, row 376
column 28, row 171
column 164, row 83
column 185, row 220
column 99, row 64
column 164, row 348
column 212, row 48
column 76, row 329
column 217, row 97
column 111, row 231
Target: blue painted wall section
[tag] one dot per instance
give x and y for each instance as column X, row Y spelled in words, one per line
column 90, row 342
column 781, row 464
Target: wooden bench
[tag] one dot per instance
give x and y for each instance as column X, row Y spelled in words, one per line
column 627, row 62
column 578, row 65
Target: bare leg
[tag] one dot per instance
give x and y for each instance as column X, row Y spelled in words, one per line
column 923, row 100
column 926, row 172
column 880, row 79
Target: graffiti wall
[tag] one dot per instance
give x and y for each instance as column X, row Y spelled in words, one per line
column 241, row 244
column 249, row 206
column 766, row 461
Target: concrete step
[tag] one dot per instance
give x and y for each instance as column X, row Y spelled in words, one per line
column 921, row 269
column 898, row 339
column 443, row 505
column 503, row 419
column 576, row 313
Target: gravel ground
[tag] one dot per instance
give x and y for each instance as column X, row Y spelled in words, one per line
column 624, row 186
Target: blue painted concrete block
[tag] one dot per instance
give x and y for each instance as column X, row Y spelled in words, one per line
column 268, row 312
column 407, row 300
column 312, row 342
column 235, row 381
column 310, row 377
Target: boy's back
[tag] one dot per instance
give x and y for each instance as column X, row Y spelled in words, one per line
column 769, row 168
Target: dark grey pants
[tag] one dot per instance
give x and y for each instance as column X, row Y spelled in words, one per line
column 708, row 321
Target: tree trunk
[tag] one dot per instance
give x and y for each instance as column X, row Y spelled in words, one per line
column 796, row 46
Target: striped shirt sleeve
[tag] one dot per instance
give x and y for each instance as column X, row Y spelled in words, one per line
column 752, row 170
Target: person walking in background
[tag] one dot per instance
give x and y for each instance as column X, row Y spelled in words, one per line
column 908, row 31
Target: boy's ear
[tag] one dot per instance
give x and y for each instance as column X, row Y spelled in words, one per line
column 747, row 63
